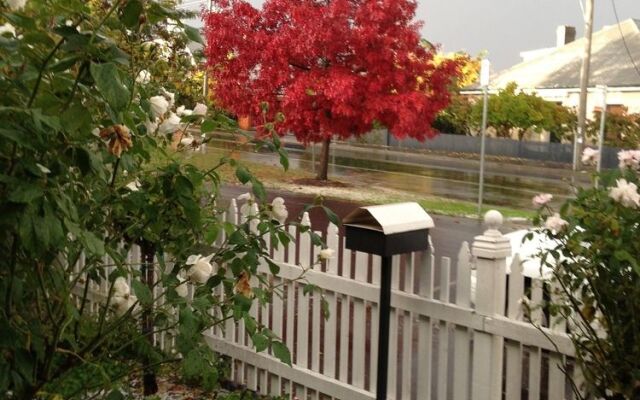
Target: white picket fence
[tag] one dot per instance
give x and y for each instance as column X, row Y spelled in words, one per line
column 442, row 345
column 457, row 327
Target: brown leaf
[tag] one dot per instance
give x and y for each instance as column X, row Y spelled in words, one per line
column 119, row 138
column 242, row 285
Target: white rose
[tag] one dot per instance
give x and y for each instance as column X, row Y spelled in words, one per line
column 169, row 125
column 279, row 210
column 121, row 287
column 625, row 193
column 326, row 254
column 151, row 126
column 186, row 141
column 555, row 223
column 201, row 268
column 200, row 109
column 134, row 186
column 542, row 199
column 629, row 159
column 589, row 155
column 159, row 105
column 16, row 4
column 7, row 28
column 122, row 304
column 143, row 77
column 183, row 111
column 171, row 97
column 182, row 288
column 245, row 209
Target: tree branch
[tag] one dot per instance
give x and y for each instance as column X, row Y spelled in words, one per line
column 302, row 67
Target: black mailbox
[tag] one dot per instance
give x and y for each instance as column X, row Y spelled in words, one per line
column 387, row 230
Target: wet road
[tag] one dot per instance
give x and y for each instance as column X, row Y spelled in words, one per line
column 505, row 184
column 447, row 236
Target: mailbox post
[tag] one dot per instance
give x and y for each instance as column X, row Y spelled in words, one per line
column 387, row 230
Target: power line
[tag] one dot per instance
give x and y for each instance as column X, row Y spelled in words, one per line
column 581, row 8
column 624, row 41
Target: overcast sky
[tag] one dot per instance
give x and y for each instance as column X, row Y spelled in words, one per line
column 504, row 28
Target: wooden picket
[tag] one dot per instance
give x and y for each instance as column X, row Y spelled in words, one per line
column 466, row 335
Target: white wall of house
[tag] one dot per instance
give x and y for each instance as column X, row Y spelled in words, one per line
column 627, row 96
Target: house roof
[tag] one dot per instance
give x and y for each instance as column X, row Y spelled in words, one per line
column 560, row 68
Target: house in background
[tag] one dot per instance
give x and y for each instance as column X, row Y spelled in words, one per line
column 554, row 73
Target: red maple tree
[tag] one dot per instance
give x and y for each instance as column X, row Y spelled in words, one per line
column 332, row 67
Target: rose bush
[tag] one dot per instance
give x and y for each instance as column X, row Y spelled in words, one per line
column 595, row 259
column 86, row 174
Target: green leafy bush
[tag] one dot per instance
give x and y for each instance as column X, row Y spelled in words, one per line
column 595, row 259
column 91, row 166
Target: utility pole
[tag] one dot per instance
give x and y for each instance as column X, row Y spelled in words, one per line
column 603, row 119
column 584, row 83
column 485, row 67
column 205, row 83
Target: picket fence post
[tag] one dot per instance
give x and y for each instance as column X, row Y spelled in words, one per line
column 491, row 250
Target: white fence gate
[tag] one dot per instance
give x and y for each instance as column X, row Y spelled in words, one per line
column 455, row 333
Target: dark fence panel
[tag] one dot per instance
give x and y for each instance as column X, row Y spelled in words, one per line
column 542, row 151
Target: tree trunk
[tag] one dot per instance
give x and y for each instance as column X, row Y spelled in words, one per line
column 324, row 160
column 149, row 381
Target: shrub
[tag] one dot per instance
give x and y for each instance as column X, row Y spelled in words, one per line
column 87, row 174
column 596, row 270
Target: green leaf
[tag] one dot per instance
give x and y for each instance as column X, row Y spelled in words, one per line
column 284, row 237
column 92, row 243
column 77, row 119
column 325, row 308
column 17, row 137
column 284, row 159
column 333, row 217
column 260, row 342
column 258, row 189
column 131, row 13
column 142, row 291
column 193, row 34
column 110, row 85
column 211, row 234
column 281, row 352
column 207, row 126
column 183, row 187
column 115, row 394
column 250, row 324
column 64, row 64
column 309, row 288
column 243, row 174
column 117, row 55
column 192, row 364
column 237, row 238
column 25, row 194
column 316, row 239
column 273, row 267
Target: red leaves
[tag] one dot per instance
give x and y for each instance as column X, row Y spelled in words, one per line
column 332, row 67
